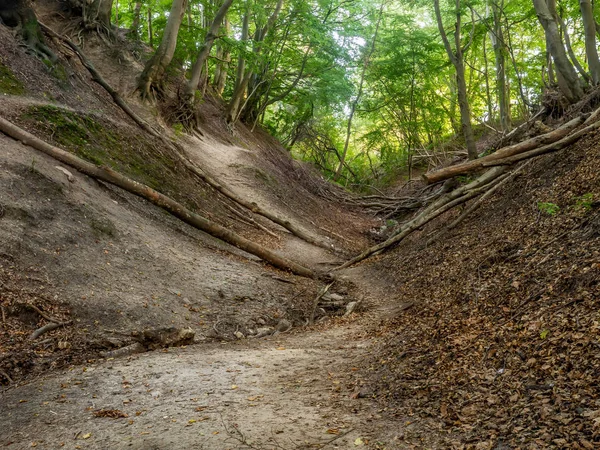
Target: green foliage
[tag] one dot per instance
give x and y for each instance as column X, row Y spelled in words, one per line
column 584, row 202
column 89, row 138
column 548, row 208
column 9, row 84
column 306, row 73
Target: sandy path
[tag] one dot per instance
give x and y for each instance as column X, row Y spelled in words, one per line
column 280, row 392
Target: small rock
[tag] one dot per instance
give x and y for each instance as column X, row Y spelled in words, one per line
column 283, row 325
column 336, row 297
column 239, row 335
column 265, row 331
column 124, row 351
column 350, row 307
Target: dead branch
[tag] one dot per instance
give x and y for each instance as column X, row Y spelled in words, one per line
column 501, row 182
column 110, row 176
column 179, row 151
column 5, row 375
column 440, row 206
column 320, row 295
column 503, row 153
column 48, row 327
column 570, row 139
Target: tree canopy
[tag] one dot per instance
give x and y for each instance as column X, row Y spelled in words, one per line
column 368, row 90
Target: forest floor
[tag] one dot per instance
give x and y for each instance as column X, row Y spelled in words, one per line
column 484, row 337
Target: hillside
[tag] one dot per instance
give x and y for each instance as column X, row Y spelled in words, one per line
column 481, row 336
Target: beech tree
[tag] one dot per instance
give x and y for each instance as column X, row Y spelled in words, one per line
column 456, row 57
column 150, row 81
column 568, row 80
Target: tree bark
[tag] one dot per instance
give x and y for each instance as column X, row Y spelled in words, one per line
column 591, row 50
column 223, row 60
column 235, row 106
column 135, row 25
column 500, row 55
column 150, row 80
column 571, row 87
column 457, row 59
column 238, row 91
column 110, row 176
column 205, row 49
column 19, row 14
column 521, row 147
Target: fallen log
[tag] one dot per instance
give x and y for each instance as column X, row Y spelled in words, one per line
column 566, row 141
column 178, row 150
column 110, row 176
column 505, row 152
column 440, row 206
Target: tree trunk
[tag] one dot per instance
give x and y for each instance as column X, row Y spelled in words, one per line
column 110, row 176
column 457, row 58
column 205, row 49
column 500, row 54
column 571, row 87
column 238, row 92
column 151, row 78
column 19, row 14
column 521, row 147
column 235, row 106
column 135, row 25
column 223, row 59
column 591, row 51
column 150, row 34
column 366, row 61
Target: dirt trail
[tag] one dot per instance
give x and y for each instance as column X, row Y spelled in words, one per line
column 292, row 390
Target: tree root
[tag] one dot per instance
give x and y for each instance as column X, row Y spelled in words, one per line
column 46, row 328
column 179, row 151
column 110, row 176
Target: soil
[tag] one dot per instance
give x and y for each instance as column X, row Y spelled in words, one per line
column 482, row 337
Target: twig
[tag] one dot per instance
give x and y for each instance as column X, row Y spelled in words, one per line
column 5, row 375
column 322, row 292
column 48, row 327
column 333, row 439
column 3, row 314
column 40, row 312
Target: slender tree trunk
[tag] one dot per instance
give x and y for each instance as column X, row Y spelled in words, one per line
column 488, row 95
column 500, row 55
column 135, row 25
column 457, row 58
column 591, row 51
column 205, row 49
column 151, row 79
column 150, row 34
column 238, row 92
column 224, row 57
column 571, row 87
column 570, row 52
column 235, row 106
column 367, row 59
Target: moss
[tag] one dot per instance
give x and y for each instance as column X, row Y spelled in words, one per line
column 260, row 175
column 103, row 227
column 97, row 141
column 9, row 84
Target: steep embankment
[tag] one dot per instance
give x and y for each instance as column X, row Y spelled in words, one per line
column 108, row 264
column 502, row 342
